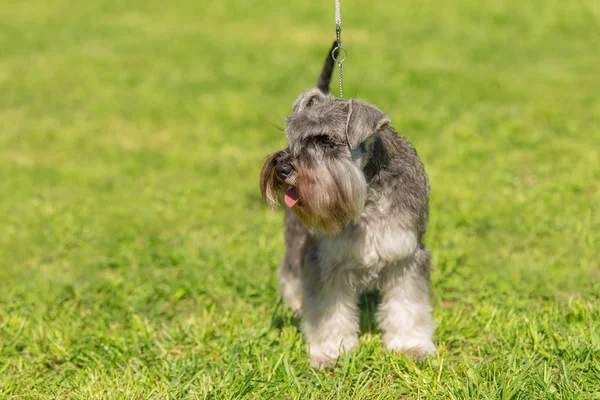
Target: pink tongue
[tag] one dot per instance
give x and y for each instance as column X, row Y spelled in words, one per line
column 291, row 198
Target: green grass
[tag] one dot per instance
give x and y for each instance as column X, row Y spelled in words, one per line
column 138, row 261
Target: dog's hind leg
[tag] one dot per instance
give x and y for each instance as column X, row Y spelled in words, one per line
column 297, row 239
column 290, row 284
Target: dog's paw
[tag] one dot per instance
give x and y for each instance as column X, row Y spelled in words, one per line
column 292, row 295
column 294, row 304
column 322, row 361
column 325, row 355
column 418, row 348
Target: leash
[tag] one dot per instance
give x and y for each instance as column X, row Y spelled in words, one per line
column 336, row 53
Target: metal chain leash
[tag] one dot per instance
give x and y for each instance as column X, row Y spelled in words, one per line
column 336, row 53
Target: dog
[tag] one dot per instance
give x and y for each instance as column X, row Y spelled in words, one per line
column 357, row 199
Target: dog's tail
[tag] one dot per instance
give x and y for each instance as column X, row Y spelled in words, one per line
column 325, row 77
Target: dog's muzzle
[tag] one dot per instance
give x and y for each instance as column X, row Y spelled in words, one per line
column 284, row 171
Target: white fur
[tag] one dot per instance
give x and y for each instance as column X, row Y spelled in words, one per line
column 330, row 322
column 404, row 314
column 291, row 290
column 352, row 261
column 364, row 247
column 387, row 245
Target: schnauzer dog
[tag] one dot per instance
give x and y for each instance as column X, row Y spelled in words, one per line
column 357, row 207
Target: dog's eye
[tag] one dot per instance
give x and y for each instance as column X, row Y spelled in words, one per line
column 322, row 141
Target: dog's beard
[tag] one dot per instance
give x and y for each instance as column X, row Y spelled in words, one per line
column 270, row 186
column 332, row 193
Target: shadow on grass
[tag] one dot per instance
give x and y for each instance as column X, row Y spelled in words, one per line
column 368, row 301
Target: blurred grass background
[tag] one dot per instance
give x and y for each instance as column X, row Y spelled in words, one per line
column 138, row 261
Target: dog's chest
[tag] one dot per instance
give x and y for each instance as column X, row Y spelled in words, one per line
column 368, row 246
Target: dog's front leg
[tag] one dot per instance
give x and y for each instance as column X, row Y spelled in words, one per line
column 405, row 315
column 330, row 317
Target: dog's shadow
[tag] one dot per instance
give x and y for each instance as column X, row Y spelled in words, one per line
column 368, row 301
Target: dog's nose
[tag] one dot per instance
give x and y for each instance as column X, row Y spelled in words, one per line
column 283, row 170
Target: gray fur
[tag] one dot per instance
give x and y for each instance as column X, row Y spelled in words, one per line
column 359, row 225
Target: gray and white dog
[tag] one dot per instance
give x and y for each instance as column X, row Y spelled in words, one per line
column 357, row 197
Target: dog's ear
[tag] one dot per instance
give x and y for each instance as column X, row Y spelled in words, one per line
column 362, row 122
column 308, row 99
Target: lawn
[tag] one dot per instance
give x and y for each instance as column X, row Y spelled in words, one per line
column 138, row 261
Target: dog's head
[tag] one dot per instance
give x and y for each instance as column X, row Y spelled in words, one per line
column 320, row 173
